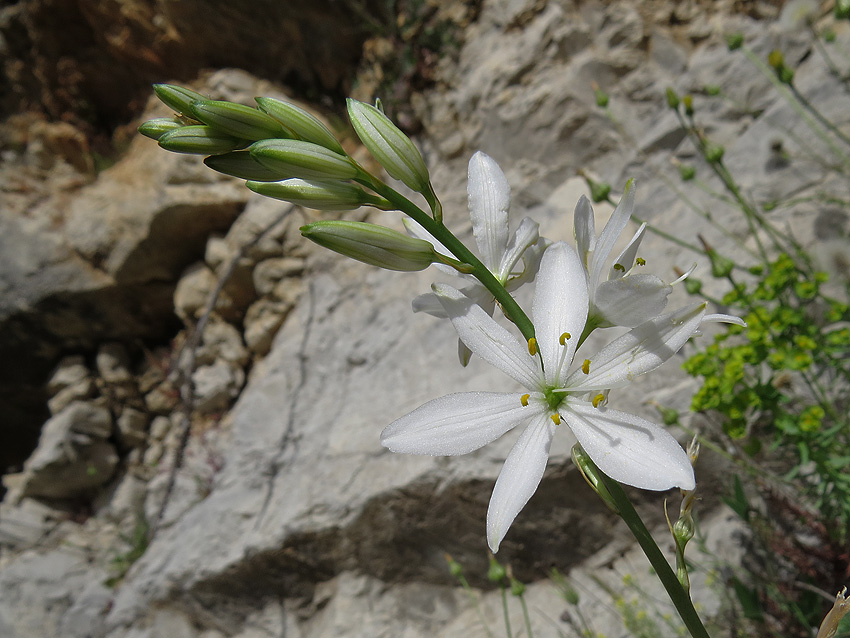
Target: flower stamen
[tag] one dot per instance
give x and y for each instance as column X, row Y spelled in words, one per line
column 556, row 418
column 524, row 400
column 599, row 398
column 532, row 346
column 585, row 367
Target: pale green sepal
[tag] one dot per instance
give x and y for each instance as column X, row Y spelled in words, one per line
column 297, row 158
column 200, row 140
column 240, row 164
column 300, row 123
column 372, row 244
column 238, row 120
column 177, row 97
column 392, row 148
column 158, row 127
column 321, row 195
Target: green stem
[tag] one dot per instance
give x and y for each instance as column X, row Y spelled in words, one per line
column 442, row 234
column 526, row 616
column 505, row 610
column 665, row 573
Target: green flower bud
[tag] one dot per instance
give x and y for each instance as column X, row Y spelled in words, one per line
column 455, row 568
column 688, row 101
column 200, row 140
column 372, row 244
column 601, row 98
column 321, row 195
column 392, row 148
column 720, row 266
column 775, row 59
column 714, row 153
column 734, row 41
column 242, row 165
column 842, row 9
column 712, row 90
column 237, row 120
column 496, row 573
column 177, row 97
column 599, row 191
column 829, row 35
column 687, row 172
column 517, row 588
column 300, row 123
column 693, row 286
column 672, row 98
column 158, row 127
column 297, row 158
column 785, row 75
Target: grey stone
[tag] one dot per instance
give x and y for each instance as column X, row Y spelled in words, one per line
column 132, row 427
column 113, row 363
column 70, row 371
column 216, row 386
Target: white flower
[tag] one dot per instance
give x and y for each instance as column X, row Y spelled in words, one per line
column 624, row 298
column 512, row 260
column 628, row 448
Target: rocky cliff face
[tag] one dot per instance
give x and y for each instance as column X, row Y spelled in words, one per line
column 189, row 364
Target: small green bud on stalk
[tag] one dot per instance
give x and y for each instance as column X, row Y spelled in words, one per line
column 672, row 99
column 496, row 573
column 392, row 148
column 602, row 98
column 320, row 195
column 297, row 158
column 455, row 568
column 372, row 244
column 734, row 41
column 158, row 127
column 712, row 89
column 200, row 140
column 693, row 286
column 300, row 123
column 599, row 191
column 687, row 172
column 517, row 588
column 242, row 165
column 238, row 120
column 177, row 97
column 688, row 102
column 714, row 153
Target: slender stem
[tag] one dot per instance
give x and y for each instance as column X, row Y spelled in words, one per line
column 505, row 610
column 526, row 616
column 474, row 599
column 665, row 573
column 439, row 232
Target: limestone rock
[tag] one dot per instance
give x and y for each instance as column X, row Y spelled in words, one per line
column 73, row 456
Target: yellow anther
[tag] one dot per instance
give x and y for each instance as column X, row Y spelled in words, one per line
column 556, row 418
column 640, row 261
column 532, row 346
column 563, row 338
column 599, row 398
column 620, row 267
column 585, row 367
column 524, row 400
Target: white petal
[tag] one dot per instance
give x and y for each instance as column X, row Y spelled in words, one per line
column 715, row 318
column 489, row 200
column 519, row 478
column 456, row 423
column 429, row 304
column 560, row 305
column 584, row 227
column 630, row 449
column 525, row 236
column 488, row 339
column 626, row 259
column 609, row 235
column 629, row 301
column 640, row 350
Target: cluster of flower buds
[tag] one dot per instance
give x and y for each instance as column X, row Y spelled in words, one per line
column 285, row 152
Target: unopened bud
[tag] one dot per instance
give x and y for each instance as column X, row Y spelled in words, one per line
column 688, row 102
column 672, row 98
column 601, row 98
column 320, row 195
column 599, row 191
column 300, row 123
column 734, row 41
column 496, row 573
column 372, row 244
column 177, row 97
column 200, row 140
column 242, row 165
column 776, row 59
column 296, row 158
column 687, row 172
column 693, row 286
column 517, row 588
column 714, row 153
column 158, row 127
column 455, row 568
column 238, row 120
column 392, row 148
